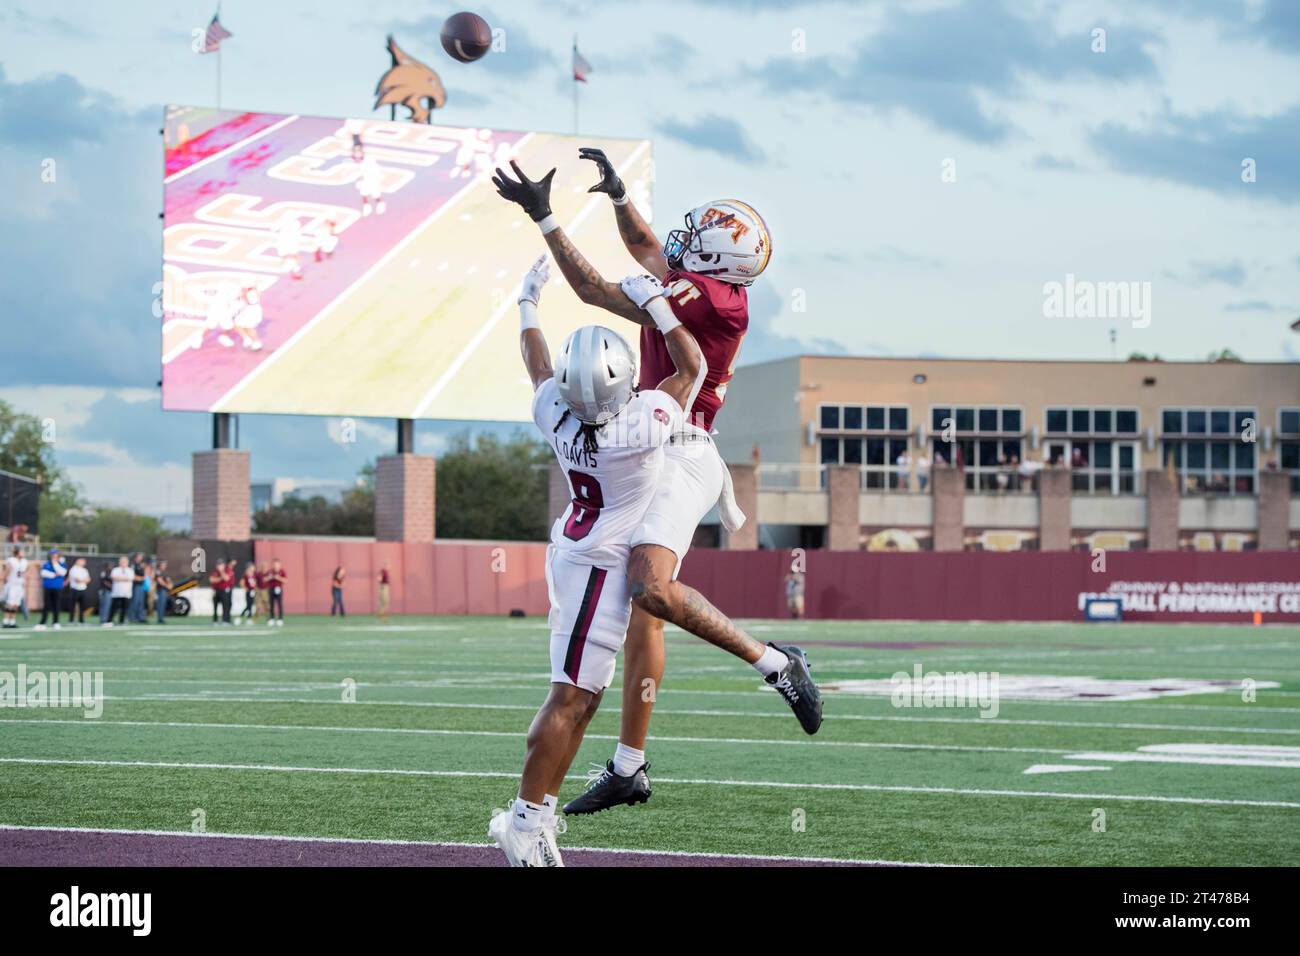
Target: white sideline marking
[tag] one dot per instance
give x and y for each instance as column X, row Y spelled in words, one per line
column 61, row 722
column 1217, row 755
column 342, row 297
column 454, row 368
column 784, row 715
column 433, row 845
column 229, row 149
column 693, row 781
column 1059, row 768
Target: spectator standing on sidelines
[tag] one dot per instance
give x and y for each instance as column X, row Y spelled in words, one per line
column 105, row 591
column 336, row 591
column 79, row 597
column 263, row 592
column 230, row 578
column 794, row 587
column 220, row 594
column 148, row 591
column 123, row 578
column 248, row 581
column 385, row 592
column 922, row 472
column 162, row 591
column 15, row 584
column 53, row 573
column 136, row 611
column 275, row 579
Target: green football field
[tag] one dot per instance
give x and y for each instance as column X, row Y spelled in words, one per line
column 250, row 727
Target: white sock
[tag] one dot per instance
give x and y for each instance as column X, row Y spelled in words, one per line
column 525, row 816
column 626, row 760
column 548, row 806
column 772, row 662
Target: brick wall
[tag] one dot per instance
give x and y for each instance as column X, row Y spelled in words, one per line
column 404, row 498
column 1162, row 511
column 220, row 495
column 1054, row 509
column 949, row 489
column 844, row 487
column 744, row 480
column 1274, row 510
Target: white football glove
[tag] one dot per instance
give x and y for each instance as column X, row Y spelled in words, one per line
column 534, row 279
column 641, row 289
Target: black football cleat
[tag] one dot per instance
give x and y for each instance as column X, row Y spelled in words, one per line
column 796, row 685
column 607, row 789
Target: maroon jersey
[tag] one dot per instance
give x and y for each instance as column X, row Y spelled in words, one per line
column 717, row 314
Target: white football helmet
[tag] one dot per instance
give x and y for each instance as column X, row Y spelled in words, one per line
column 595, row 372
column 726, row 239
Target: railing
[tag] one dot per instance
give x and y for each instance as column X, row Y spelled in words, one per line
column 791, row 477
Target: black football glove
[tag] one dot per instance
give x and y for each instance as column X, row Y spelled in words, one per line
column 534, row 197
column 609, row 183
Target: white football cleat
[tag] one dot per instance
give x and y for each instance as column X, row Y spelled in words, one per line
column 550, row 827
column 520, row 848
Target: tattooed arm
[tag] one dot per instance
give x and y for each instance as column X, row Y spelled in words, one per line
column 640, row 241
column 535, row 199
column 591, row 287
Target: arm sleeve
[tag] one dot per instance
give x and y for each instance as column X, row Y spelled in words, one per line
column 547, row 406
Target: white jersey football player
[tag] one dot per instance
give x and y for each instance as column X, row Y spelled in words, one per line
column 608, row 439
column 15, row 583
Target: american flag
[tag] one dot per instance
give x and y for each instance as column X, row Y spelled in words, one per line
column 581, row 68
column 216, row 33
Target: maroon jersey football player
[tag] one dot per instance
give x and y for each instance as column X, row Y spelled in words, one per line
column 702, row 272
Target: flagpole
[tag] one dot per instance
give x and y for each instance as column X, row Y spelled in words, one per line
column 218, row 77
column 575, row 86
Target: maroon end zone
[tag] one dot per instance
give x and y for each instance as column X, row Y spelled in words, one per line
column 40, row 847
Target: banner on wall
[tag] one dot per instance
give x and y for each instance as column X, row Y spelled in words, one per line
column 1201, row 597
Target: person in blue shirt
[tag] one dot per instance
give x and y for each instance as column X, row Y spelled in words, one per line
column 53, row 574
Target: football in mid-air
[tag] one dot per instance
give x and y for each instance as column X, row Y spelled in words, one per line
column 466, row 36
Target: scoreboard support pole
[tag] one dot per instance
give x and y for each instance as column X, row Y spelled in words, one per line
column 406, row 436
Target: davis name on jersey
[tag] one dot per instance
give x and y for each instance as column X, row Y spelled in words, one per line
column 611, row 485
column 717, row 314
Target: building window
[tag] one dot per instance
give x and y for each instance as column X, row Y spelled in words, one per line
column 864, row 418
column 1091, row 421
column 977, row 420
column 1288, row 421
column 1206, row 447
column 1289, row 458
column 876, row 458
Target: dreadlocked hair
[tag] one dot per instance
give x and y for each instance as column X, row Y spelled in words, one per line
column 587, row 430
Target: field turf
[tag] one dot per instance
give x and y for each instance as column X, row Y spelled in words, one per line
column 249, row 726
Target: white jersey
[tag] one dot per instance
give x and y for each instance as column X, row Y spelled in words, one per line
column 16, row 569
column 610, row 488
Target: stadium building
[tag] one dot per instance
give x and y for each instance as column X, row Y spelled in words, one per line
column 953, row 454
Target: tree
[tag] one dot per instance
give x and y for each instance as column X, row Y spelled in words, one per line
column 1223, row 355
column 353, row 515
column 115, row 530
column 493, row 489
column 27, row 446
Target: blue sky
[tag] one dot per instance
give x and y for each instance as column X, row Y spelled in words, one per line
column 838, row 120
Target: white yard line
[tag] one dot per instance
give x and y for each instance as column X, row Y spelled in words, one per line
column 272, row 837
column 684, row 781
column 783, row 715
column 509, row 303
column 514, row 734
